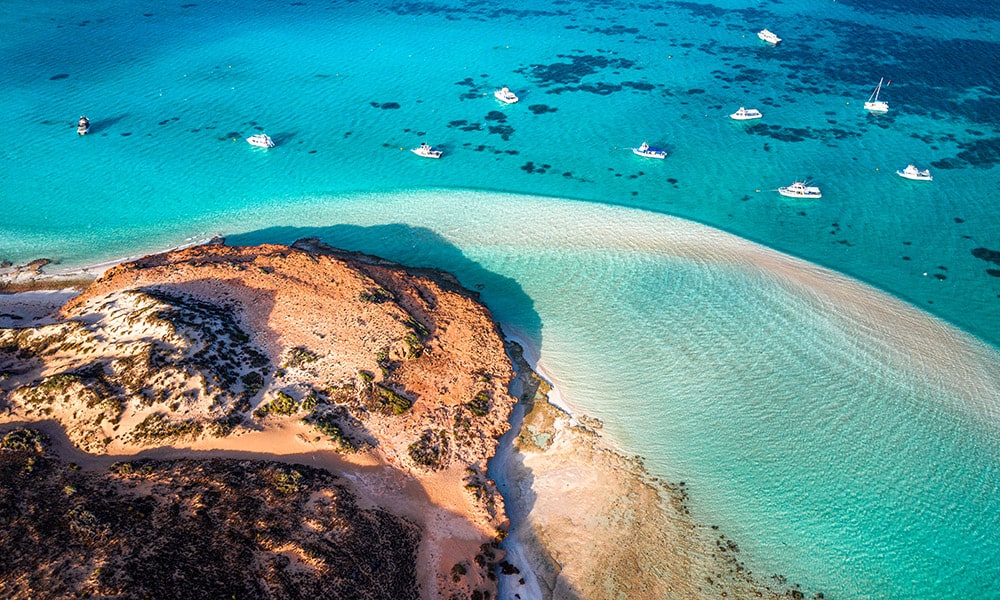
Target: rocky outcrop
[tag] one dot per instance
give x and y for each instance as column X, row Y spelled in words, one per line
column 401, row 373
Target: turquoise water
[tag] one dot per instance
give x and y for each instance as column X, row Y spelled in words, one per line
column 843, row 438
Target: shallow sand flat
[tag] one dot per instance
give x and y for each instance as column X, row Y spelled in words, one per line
column 591, row 522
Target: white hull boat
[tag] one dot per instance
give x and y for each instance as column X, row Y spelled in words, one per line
column 912, row 172
column 799, row 189
column 746, row 114
column 768, row 37
column 260, row 140
column 427, row 151
column 505, row 95
column 83, row 126
column 647, row 151
column 874, row 104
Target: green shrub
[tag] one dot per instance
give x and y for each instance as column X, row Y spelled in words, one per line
column 430, row 449
column 377, row 296
column 156, row 427
column 393, row 401
column 480, row 405
column 328, row 425
column 311, row 400
column 283, row 405
column 417, row 327
column 252, row 382
column 298, row 357
column 24, row 440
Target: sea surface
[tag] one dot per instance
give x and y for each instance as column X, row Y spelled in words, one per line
column 823, row 374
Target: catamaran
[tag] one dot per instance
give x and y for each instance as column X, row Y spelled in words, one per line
column 874, row 104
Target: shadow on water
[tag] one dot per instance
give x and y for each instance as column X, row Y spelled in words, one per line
column 423, row 248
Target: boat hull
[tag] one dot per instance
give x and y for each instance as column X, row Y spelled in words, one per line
column 913, row 177
column 788, row 194
column 648, row 154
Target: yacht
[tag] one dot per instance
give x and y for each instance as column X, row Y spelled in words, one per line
column 649, row 152
column 768, row 36
column 260, row 140
column 799, row 189
column 505, row 95
column 427, row 151
column 745, row 114
column 874, row 104
column 912, row 172
column 83, row 125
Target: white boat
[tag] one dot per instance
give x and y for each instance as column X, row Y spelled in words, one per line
column 649, row 152
column 427, row 151
column 745, row 114
column 260, row 140
column 912, row 172
column 505, row 95
column 83, row 125
column 799, row 189
column 874, row 104
column 768, row 36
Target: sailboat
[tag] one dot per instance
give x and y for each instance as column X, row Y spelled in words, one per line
column 874, row 104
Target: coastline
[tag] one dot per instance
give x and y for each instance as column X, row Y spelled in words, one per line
column 589, row 521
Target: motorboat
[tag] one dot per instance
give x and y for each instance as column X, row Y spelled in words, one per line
column 260, row 140
column 912, row 172
column 505, row 95
column 649, row 152
column 745, row 114
column 799, row 189
column 427, row 151
column 83, row 125
column 768, row 36
column 874, row 104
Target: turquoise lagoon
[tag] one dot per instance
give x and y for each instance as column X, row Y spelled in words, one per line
column 844, row 433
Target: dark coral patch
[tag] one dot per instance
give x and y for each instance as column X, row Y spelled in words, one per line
column 390, row 106
column 59, row 76
column 496, row 115
column 541, row 109
column 504, row 131
column 575, row 70
column 642, row 86
column 988, row 255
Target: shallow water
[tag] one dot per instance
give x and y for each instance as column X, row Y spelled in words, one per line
column 844, row 438
column 849, row 447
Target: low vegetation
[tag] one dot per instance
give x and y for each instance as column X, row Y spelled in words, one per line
column 179, row 529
